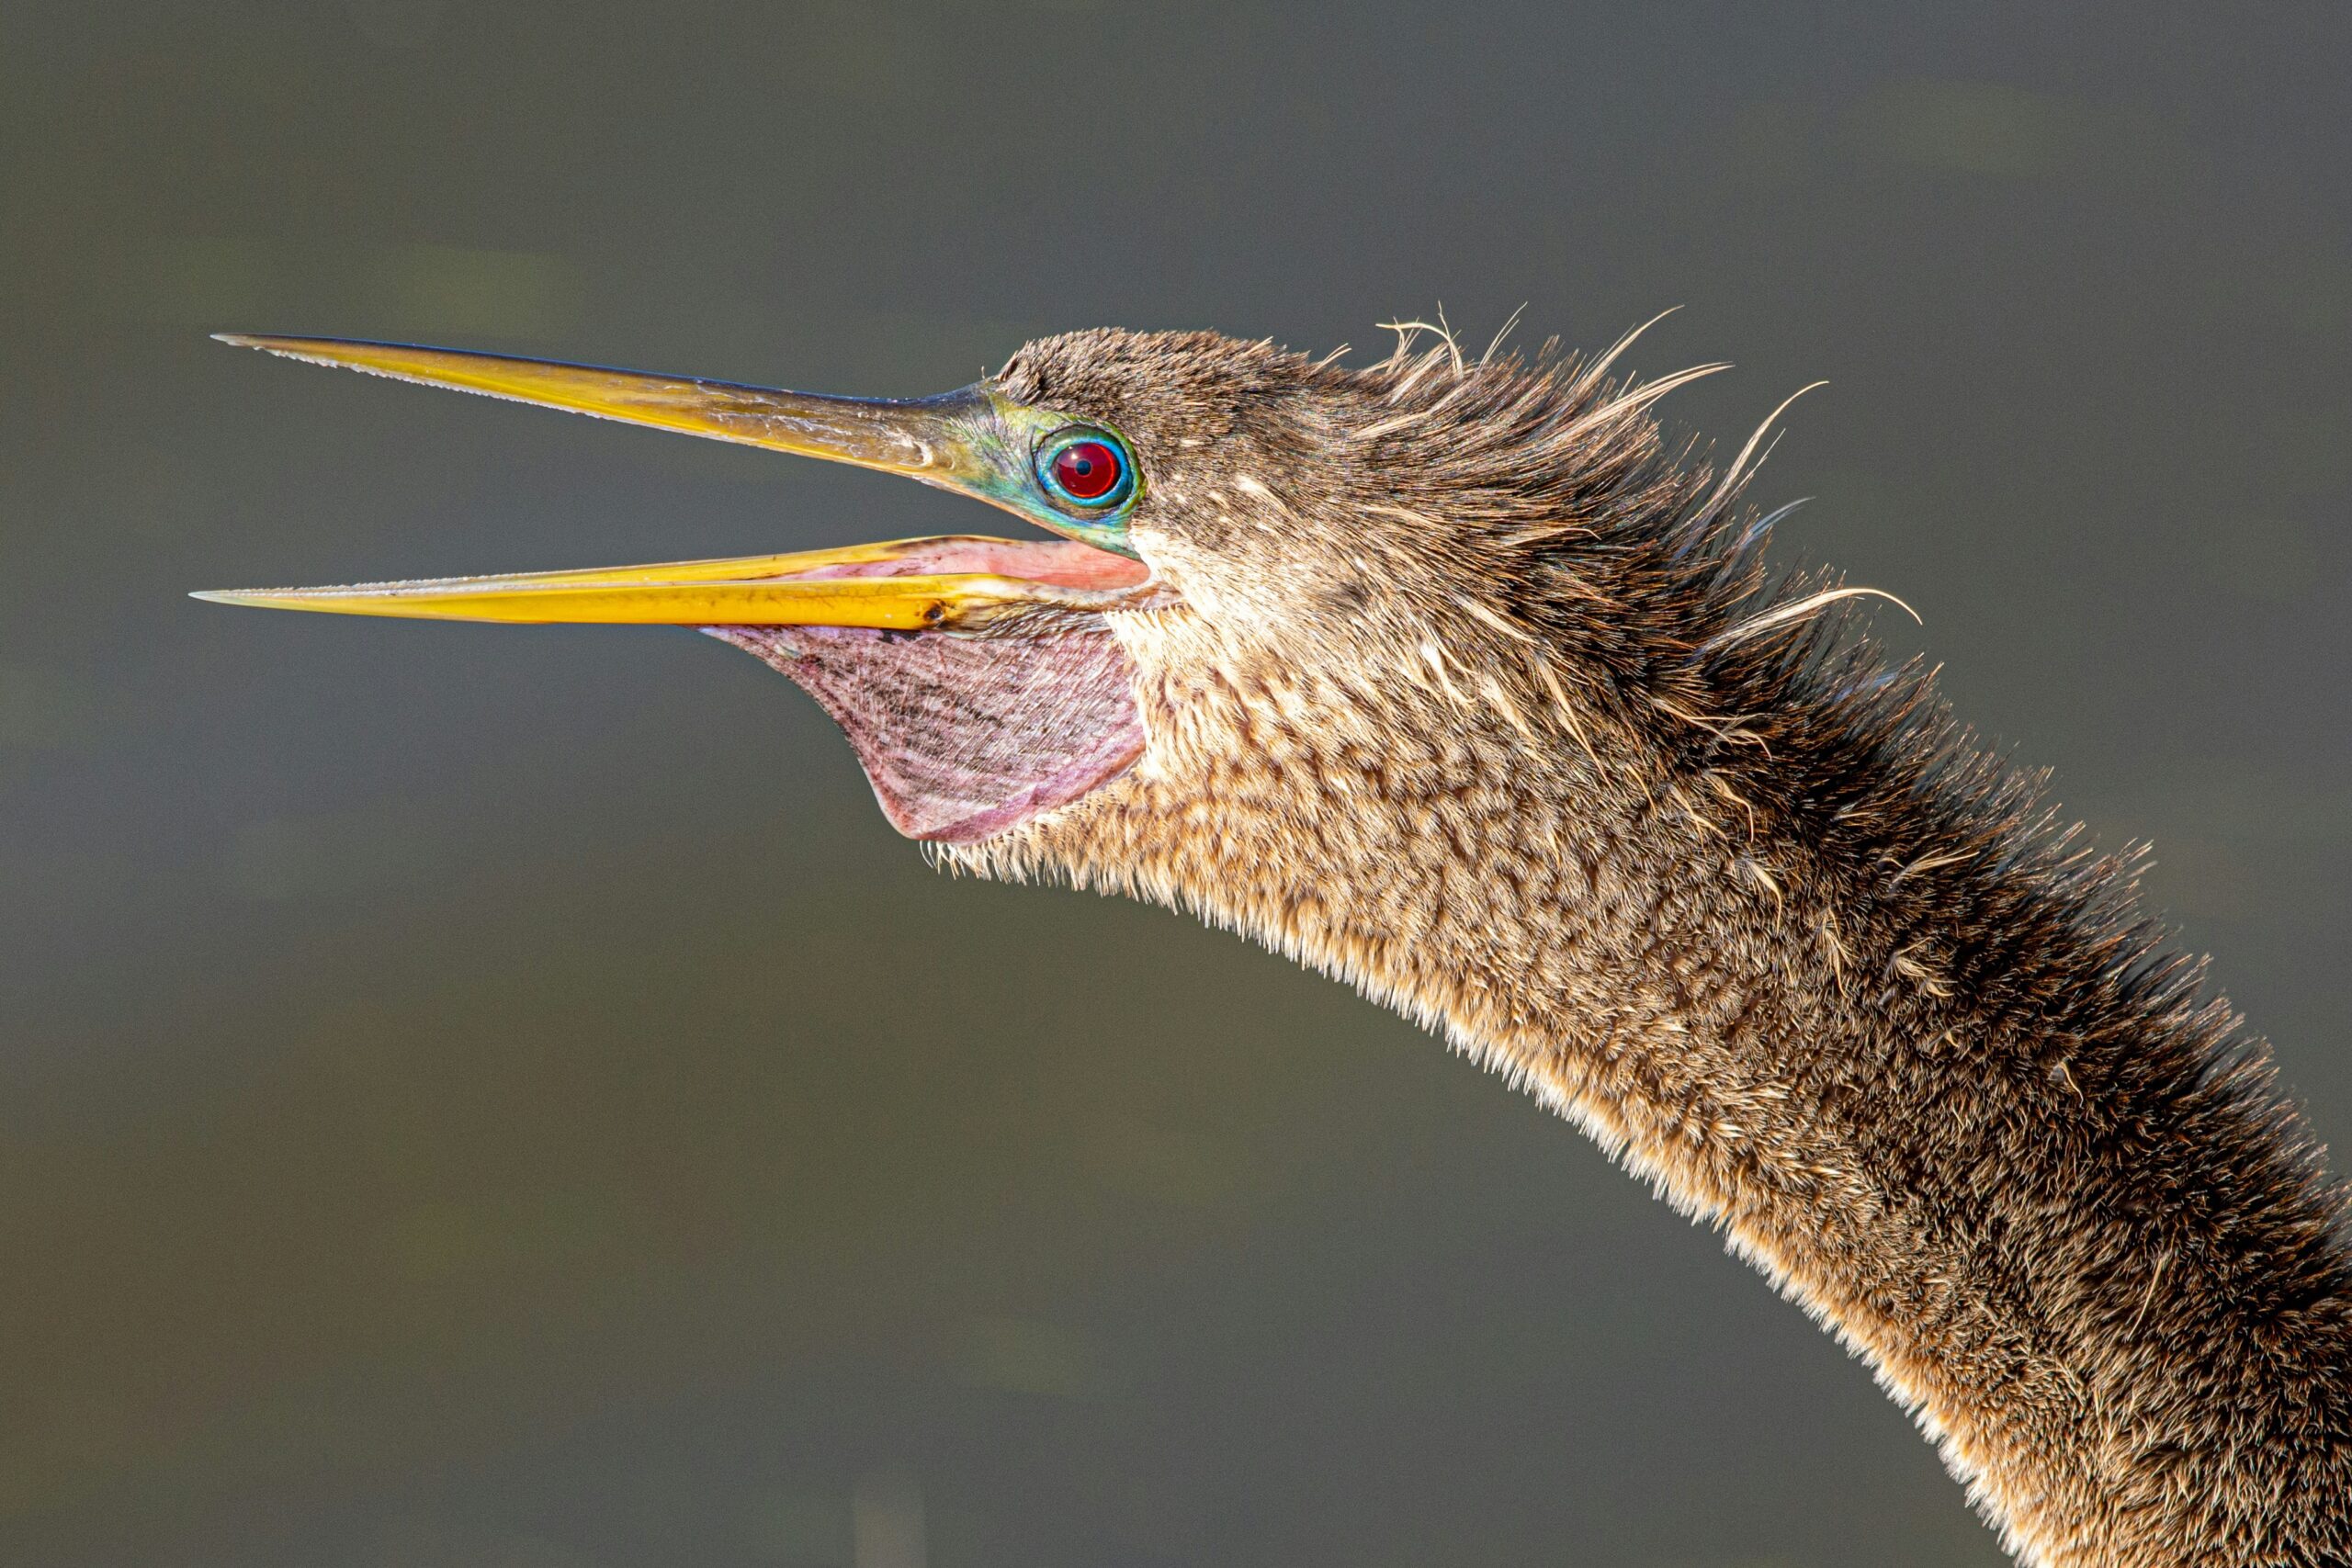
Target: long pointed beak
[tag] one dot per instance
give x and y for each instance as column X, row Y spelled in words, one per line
column 888, row 587
column 932, row 439
column 970, row 441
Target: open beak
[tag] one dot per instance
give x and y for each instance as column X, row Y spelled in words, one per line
column 972, row 441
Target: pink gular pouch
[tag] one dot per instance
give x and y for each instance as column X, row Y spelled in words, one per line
column 964, row 736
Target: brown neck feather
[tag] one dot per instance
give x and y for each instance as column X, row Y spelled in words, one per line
column 1929, row 1076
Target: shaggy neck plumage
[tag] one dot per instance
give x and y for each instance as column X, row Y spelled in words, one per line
column 1510, row 730
column 1931, row 1085
column 1675, row 851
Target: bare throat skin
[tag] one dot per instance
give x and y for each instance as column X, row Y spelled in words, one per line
column 2038, row 1188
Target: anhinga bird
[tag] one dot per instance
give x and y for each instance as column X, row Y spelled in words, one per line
column 1443, row 676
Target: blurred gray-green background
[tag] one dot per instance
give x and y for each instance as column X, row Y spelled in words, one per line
column 481, row 1097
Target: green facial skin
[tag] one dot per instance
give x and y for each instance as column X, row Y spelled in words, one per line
column 1002, row 440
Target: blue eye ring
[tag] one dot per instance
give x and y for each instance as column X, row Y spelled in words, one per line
column 1071, row 469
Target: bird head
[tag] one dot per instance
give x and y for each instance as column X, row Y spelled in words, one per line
column 1232, row 531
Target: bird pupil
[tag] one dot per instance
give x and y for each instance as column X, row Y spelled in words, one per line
column 1086, row 470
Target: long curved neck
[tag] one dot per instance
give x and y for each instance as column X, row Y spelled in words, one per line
column 1938, row 1097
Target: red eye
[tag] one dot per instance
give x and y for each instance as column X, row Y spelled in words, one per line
column 1088, row 471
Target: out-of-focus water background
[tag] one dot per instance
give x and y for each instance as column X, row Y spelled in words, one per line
column 494, row 1098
